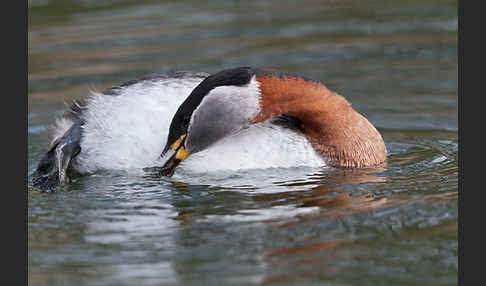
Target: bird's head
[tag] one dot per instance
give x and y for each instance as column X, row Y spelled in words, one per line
column 220, row 105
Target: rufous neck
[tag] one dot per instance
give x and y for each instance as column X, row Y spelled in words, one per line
column 340, row 134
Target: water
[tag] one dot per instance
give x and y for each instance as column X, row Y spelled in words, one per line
column 395, row 61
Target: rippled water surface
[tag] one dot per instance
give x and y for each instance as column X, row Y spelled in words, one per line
column 395, row 61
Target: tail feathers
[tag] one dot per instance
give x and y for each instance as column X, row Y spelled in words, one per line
column 46, row 175
column 52, row 168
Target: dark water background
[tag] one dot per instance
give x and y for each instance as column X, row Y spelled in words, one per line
column 395, row 61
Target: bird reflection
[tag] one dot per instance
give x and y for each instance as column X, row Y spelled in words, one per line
column 327, row 190
column 278, row 218
column 333, row 203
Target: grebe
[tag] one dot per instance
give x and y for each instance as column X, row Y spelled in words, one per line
column 156, row 122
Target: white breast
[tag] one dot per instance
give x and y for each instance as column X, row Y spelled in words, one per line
column 259, row 146
column 129, row 131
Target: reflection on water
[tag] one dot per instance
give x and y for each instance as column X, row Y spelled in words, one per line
column 175, row 232
column 395, row 61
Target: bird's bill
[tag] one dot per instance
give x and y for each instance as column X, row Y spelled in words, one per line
column 177, row 154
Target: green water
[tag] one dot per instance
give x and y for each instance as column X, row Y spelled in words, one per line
column 395, row 61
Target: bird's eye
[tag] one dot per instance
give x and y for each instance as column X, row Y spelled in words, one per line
column 185, row 121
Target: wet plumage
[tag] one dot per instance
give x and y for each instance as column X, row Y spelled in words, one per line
column 236, row 119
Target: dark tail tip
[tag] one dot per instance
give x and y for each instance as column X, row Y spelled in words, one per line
column 56, row 161
column 46, row 182
column 46, row 176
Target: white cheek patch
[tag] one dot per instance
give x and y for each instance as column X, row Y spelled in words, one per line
column 242, row 101
column 222, row 111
